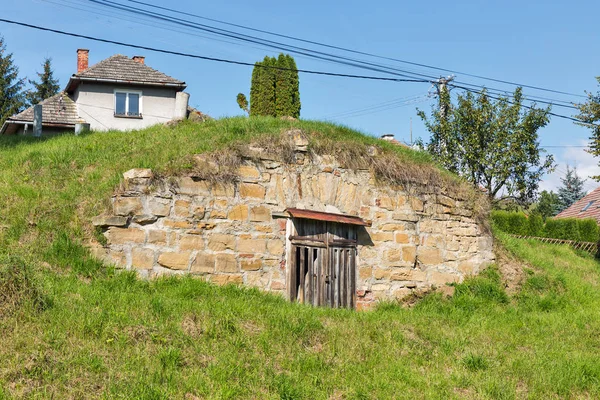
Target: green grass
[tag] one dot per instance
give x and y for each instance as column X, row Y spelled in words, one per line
column 76, row 329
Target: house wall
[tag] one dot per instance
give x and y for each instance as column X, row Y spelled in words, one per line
column 46, row 131
column 96, row 104
column 233, row 232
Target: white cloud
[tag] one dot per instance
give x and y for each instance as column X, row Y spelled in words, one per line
column 586, row 164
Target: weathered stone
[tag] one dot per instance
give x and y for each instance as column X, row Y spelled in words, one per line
column 159, row 206
column 430, row 256
column 218, row 214
column 220, row 242
column 142, row 258
column 441, row 278
column 198, row 212
column 260, row 214
column 157, row 237
column 402, row 238
column 408, row 274
column 392, row 227
column 264, row 228
column 136, row 173
column 169, row 223
column 172, row 260
column 409, row 253
column 181, row 208
column 223, row 189
column 137, row 179
column 379, row 273
column 392, row 255
column 253, row 190
column 276, row 285
column 125, row 235
column 387, row 202
column 402, row 293
column 435, row 241
column 191, row 242
column 227, row 279
column 144, row 219
column 417, row 204
column 127, row 205
column 275, row 247
column 226, row 263
column 248, row 173
column 203, row 264
column 251, row 265
column 238, row 213
column 252, row 245
column 189, row 186
column 299, row 139
column 365, row 273
column 109, row 220
column 409, row 217
column 382, row 236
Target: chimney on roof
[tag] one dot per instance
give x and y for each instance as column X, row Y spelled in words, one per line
column 82, row 59
column 139, row 59
column 388, row 136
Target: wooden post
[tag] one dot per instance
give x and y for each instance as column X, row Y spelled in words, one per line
column 37, row 120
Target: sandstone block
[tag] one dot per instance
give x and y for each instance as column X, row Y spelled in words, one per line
column 223, row 190
column 238, row 213
column 252, row 245
column 392, row 255
column 402, row 238
column 138, row 173
column 402, row 216
column 387, row 202
column 117, row 257
column 430, row 256
column 220, row 242
column 379, row 273
column 189, row 186
column 441, row 278
column 264, row 228
column 226, row 263
column 260, row 214
column 142, row 258
column 408, row 274
column 125, row 235
column 251, row 265
column 218, row 214
column 127, row 206
column 181, row 208
column 227, row 279
column 144, row 219
column 191, row 242
column 157, row 237
column 203, row 264
column 365, row 273
column 276, row 285
column 159, row 206
column 198, row 212
column 172, row 260
column 248, row 173
column 417, row 204
column 109, row 220
column 275, row 247
column 253, row 190
column 382, row 236
column 402, row 293
column 435, row 241
column 466, row 267
column 409, row 253
column 169, row 223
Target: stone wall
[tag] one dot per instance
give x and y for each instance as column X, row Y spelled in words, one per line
column 236, row 232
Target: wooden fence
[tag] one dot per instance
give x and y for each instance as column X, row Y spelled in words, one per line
column 590, row 247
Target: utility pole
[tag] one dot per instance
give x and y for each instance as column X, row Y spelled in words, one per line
column 441, row 86
column 411, row 142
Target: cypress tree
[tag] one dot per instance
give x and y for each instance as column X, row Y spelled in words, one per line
column 295, row 87
column 47, row 87
column 262, row 88
column 571, row 189
column 283, row 89
column 12, row 99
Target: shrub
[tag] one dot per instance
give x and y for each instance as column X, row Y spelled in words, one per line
column 500, row 220
column 536, row 225
column 588, row 230
column 510, row 222
column 554, row 229
column 565, row 228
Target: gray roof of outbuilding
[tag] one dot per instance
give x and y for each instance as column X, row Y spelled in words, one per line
column 58, row 109
column 122, row 69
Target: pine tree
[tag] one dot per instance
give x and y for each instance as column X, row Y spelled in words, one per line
column 571, row 189
column 47, row 87
column 12, row 99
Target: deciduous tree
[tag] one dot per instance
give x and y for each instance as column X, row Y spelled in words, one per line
column 548, row 204
column 492, row 143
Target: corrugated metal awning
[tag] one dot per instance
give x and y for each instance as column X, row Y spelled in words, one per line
column 324, row 216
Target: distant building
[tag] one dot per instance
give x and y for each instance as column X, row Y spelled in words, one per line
column 119, row 93
column 587, row 207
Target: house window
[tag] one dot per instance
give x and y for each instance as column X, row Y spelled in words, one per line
column 588, row 205
column 128, row 104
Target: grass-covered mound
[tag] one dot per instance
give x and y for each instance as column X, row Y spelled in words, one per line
column 72, row 328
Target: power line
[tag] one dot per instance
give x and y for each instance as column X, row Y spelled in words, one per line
column 177, row 53
column 353, row 51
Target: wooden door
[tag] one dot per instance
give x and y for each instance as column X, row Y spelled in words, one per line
column 323, row 263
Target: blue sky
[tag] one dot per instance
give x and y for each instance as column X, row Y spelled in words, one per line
column 542, row 43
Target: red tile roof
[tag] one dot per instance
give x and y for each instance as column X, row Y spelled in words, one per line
column 592, row 211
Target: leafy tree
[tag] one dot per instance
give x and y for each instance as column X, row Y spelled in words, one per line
column 274, row 90
column 47, row 87
column 493, row 144
column 571, row 189
column 589, row 115
column 548, row 204
column 243, row 102
column 12, row 99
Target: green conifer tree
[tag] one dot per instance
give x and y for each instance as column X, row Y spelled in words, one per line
column 47, row 87
column 262, row 88
column 571, row 189
column 283, row 87
column 12, row 99
column 295, row 87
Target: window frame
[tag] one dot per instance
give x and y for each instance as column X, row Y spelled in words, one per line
column 127, row 92
column 588, row 205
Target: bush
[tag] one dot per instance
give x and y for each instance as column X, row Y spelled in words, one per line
column 588, row 230
column 511, row 222
column 536, row 225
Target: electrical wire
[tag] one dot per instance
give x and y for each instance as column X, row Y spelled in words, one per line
column 177, row 53
column 353, row 51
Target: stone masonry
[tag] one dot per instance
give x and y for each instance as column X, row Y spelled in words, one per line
column 236, row 233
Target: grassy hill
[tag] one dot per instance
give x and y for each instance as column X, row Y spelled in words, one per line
column 71, row 328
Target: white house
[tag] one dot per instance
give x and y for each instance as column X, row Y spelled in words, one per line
column 118, row 93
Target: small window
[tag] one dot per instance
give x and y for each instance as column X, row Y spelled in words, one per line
column 588, row 205
column 127, row 104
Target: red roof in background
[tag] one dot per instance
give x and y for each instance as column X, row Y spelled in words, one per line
column 576, row 210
